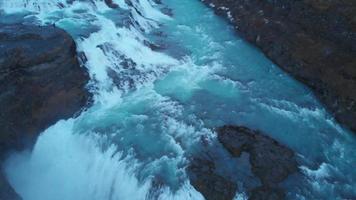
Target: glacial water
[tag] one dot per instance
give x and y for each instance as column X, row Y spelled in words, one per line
column 152, row 107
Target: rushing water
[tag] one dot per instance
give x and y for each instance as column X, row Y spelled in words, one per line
column 152, row 106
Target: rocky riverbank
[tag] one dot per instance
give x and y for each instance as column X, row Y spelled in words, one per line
column 41, row 81
column 315, row 41
column 270, row 163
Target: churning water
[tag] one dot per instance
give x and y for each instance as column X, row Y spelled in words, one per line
column 163, row 76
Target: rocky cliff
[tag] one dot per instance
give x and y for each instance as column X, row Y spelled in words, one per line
column 313, row 40
column 41, row 82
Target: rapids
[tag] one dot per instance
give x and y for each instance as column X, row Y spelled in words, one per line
column 163, row 76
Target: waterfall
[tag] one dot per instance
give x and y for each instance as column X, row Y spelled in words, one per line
column 161, row 84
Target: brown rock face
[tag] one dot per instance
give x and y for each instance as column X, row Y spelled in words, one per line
column 313, row 40
column 41, row 82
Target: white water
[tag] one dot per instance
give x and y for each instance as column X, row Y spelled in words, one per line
column 152, row 107
column 77, row 158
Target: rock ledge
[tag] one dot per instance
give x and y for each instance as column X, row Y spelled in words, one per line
column 270, row 162
column 41, row 81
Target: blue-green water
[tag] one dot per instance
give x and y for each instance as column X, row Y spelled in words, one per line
column 136, row 140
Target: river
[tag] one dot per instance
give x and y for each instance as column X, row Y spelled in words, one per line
column 163, row 76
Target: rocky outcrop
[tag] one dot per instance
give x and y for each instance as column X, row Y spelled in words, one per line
column 41, row 82
column 212, row 185
column 313, row 40
column 270, row 162
column 111, row 4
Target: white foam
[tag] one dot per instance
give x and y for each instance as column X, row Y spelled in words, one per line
column 71, row 166
column 78, row 158
column 240, row 196
column 37, row 6
column 322, row 172
column 76, row 167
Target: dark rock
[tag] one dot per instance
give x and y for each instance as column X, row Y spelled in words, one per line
column 167, row 11
column 111, row 4
column 210, row 184
column 152, row 46
column 41, row 82
column 313, row 40
column 270, row 162
column 266, row 193
column 158, row 1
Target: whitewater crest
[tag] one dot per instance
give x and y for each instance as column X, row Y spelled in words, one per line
column 106, row 152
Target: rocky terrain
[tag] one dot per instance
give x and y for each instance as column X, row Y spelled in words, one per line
column 41, row 81
column 270, row 162
column 313, row 40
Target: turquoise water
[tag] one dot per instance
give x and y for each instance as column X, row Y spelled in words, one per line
column 152, row 107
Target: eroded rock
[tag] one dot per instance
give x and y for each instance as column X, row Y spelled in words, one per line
column 111, row 4
column 212, row 185
column 41, row 81
column 270, row 162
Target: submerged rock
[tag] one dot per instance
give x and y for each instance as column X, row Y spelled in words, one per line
column 313, row 40
column 41, row 82
column 111, row 4
column 270, row 162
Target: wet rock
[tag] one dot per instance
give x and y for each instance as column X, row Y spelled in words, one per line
column 270, row 162
column 152, row 46
column 313, row 40
column 111, row 4
column 41, row 81
column 266, row 193
column 167, row 11
column 213, row 186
